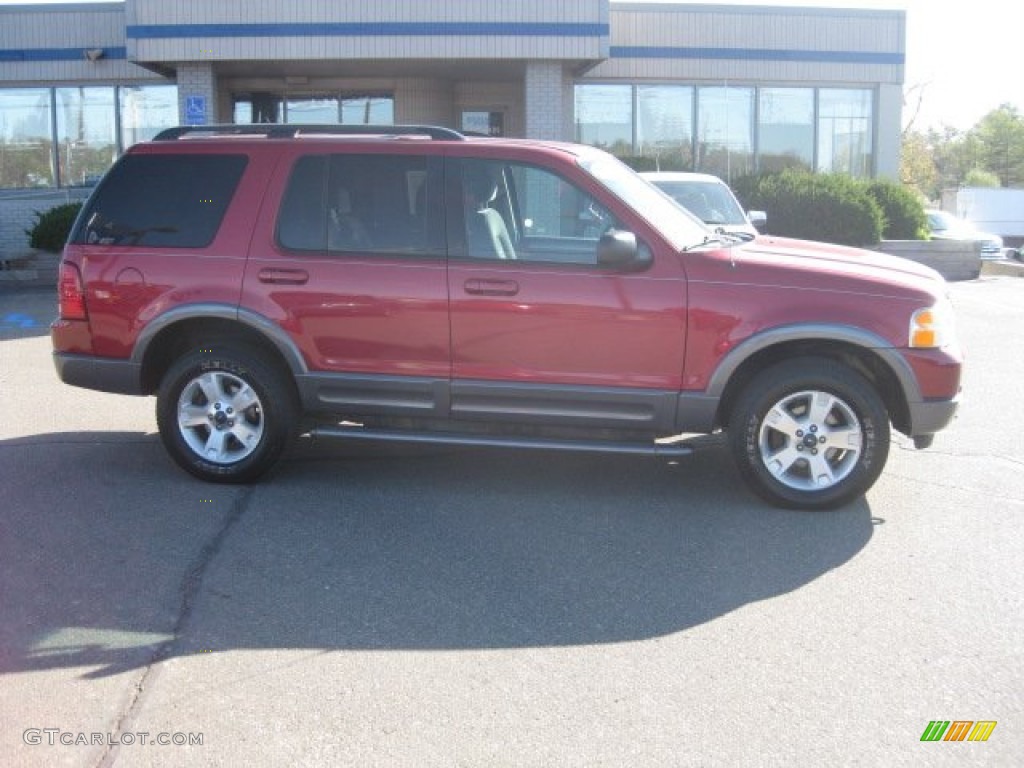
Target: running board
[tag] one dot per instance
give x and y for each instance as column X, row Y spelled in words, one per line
column 671, row 450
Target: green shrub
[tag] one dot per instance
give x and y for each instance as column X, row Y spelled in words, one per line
column 904, row 214
column 831, row 208
column 976, row 177
column 52, row 227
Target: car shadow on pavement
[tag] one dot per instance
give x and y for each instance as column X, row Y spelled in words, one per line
column 128, row 561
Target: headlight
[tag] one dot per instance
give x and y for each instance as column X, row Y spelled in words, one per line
column 933, row 327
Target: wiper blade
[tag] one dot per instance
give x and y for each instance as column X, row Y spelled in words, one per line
column 717, row 237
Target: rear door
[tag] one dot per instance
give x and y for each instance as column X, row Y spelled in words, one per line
column 350, row 261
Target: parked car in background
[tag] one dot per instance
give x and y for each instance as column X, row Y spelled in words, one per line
column 709, row 199
column 945, row 226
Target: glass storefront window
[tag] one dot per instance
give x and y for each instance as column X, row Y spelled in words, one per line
column 724, row 137
column 845, row 142
column 145, row 111
column 664, row 125
column 362, row 109
column 785, row 129
column 604, row 117
column 314, row 110
column 249, row 108
column 86, row 139
column 725, row 131
column 368, row 110
column 26, row 143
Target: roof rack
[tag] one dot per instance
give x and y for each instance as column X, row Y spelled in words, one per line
column 290, row 131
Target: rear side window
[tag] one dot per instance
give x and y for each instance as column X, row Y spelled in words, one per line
column 164, row 201
column 364, row 204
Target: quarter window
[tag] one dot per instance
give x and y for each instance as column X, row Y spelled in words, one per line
column 166, row 201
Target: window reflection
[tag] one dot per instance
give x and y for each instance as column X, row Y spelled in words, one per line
column 86, row 141
column 664, row 125
column 844, row 132
column 725, row 131
column 145, row 111
column 727, row 136
column 604, row 117
column 373, row 109
column 785, row 129
column 25, row 138
column 322, row 109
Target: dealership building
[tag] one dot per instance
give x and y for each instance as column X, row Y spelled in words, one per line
column 724, row 89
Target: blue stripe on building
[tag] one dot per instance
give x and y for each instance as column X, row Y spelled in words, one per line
column 368, row 29
column 57, row 54
column 755, row 54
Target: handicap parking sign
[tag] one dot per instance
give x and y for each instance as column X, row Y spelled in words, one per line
column 195, row 110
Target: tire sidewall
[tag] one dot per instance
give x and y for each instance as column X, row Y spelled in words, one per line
column 774, row 384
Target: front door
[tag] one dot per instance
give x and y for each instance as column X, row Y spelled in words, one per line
column 539, row 330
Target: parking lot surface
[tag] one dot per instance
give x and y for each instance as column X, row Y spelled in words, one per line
column 490, row 607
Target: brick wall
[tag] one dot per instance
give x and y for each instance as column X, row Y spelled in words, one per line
column 548, row 101
column 17, row 211
column 198, row 79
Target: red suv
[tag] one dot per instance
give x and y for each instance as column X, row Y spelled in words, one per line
column 408, row 283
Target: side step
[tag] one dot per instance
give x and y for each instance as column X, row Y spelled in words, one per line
column 671, row 450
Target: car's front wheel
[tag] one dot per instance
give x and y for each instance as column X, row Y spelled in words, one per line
column 225, row 414
column 809, row 433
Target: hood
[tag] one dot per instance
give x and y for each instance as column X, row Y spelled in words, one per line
column 841, row 260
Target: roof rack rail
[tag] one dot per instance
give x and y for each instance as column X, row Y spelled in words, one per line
column 290, row 131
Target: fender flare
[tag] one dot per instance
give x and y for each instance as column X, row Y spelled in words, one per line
column 265, row 327
column 697, row 410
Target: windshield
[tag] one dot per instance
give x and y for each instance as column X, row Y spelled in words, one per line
column 708, row 200
column 681, row 228
column 940, row 220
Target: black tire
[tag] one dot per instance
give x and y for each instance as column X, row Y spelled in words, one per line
column 252, row 439
column 791, row 416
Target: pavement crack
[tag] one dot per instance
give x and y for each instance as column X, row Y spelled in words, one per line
column 190, row 587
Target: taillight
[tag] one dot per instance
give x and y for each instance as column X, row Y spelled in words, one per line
column 71, row 293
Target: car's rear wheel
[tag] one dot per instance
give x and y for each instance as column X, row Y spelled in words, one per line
column 809, row 433
column 225, row 414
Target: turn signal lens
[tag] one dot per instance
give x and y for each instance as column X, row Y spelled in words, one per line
column 932, row 327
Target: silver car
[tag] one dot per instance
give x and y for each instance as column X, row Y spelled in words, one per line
column 945, row 226
column 710, row 200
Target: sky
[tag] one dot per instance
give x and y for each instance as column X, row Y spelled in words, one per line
column 967, row 55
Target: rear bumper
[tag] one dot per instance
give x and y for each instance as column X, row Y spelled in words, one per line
column 104, row 374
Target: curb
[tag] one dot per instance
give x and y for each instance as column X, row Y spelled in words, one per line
column 29, row 270
column 1004, row 267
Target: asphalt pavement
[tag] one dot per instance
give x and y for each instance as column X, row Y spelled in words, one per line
column 387, row 607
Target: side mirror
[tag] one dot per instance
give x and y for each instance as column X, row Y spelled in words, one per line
column 618, row 249
column 759, row 219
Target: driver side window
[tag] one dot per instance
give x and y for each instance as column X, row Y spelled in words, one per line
column 554, row 208
column 546, row 218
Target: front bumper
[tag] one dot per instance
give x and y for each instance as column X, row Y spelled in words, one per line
column 931, row 416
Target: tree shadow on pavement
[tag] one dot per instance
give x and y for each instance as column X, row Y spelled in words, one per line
column 126, row 560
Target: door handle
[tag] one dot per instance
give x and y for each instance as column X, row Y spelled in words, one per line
column 283, row 276
column 492, row 287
